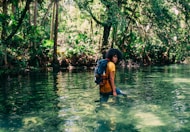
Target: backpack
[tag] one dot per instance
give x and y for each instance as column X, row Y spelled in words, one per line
column 99, row 70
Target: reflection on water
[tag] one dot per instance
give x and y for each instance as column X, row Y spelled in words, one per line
column 158, row 100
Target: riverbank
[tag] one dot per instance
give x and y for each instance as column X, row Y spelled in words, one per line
column 15, row 71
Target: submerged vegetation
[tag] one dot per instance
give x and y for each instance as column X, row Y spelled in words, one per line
column 60, row 33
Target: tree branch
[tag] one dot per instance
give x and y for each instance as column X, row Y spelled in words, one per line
column 20, row 21
column 94, row 18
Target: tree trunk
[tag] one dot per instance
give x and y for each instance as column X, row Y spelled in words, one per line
column 4, row 32
column 35, row 12
column 13, row 8
column 52, row 23
column 106, row 34
column 55, row 60
column 35, row 20
column 91, row 29
column 107, row 27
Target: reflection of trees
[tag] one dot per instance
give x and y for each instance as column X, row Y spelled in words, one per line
column 29, row 104
column 7, row 105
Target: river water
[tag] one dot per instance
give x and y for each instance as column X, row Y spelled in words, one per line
column 158, row 100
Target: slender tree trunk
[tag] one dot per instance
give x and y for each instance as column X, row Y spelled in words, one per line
column 13, row 8
column 55, row 31
column 91, row 29
column 35, row 4
column 35, row 12
column 30, row 23
column 52, row 22
column 4, row 32
column 55, row 60
column 114, row 36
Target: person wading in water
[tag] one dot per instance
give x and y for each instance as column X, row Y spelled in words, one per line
column 108, row 87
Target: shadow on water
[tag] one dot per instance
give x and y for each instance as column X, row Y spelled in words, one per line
column 157, row 100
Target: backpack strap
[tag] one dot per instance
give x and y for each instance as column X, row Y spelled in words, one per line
column 102, row 66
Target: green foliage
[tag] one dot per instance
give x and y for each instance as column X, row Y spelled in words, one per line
column 47, row 48
column 79, row 45
column 47, row 44
column 35, row 33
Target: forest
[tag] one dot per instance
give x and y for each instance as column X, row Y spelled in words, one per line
column 38, row 34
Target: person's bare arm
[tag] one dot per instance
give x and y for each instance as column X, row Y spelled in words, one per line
column 112, row 82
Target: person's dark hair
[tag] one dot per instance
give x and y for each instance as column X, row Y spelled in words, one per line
column 113, row 52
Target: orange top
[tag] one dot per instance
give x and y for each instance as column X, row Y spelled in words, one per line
column 105, row 87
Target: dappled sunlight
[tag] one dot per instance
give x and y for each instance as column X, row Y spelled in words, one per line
column 151, row 117
column 32, row 121
column 180, row 97
column 181, row 80
column 148, row 119
column 147, row 115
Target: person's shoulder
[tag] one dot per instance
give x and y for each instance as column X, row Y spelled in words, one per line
column 110, row 64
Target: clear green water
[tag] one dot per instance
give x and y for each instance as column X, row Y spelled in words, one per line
column 158, row 101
